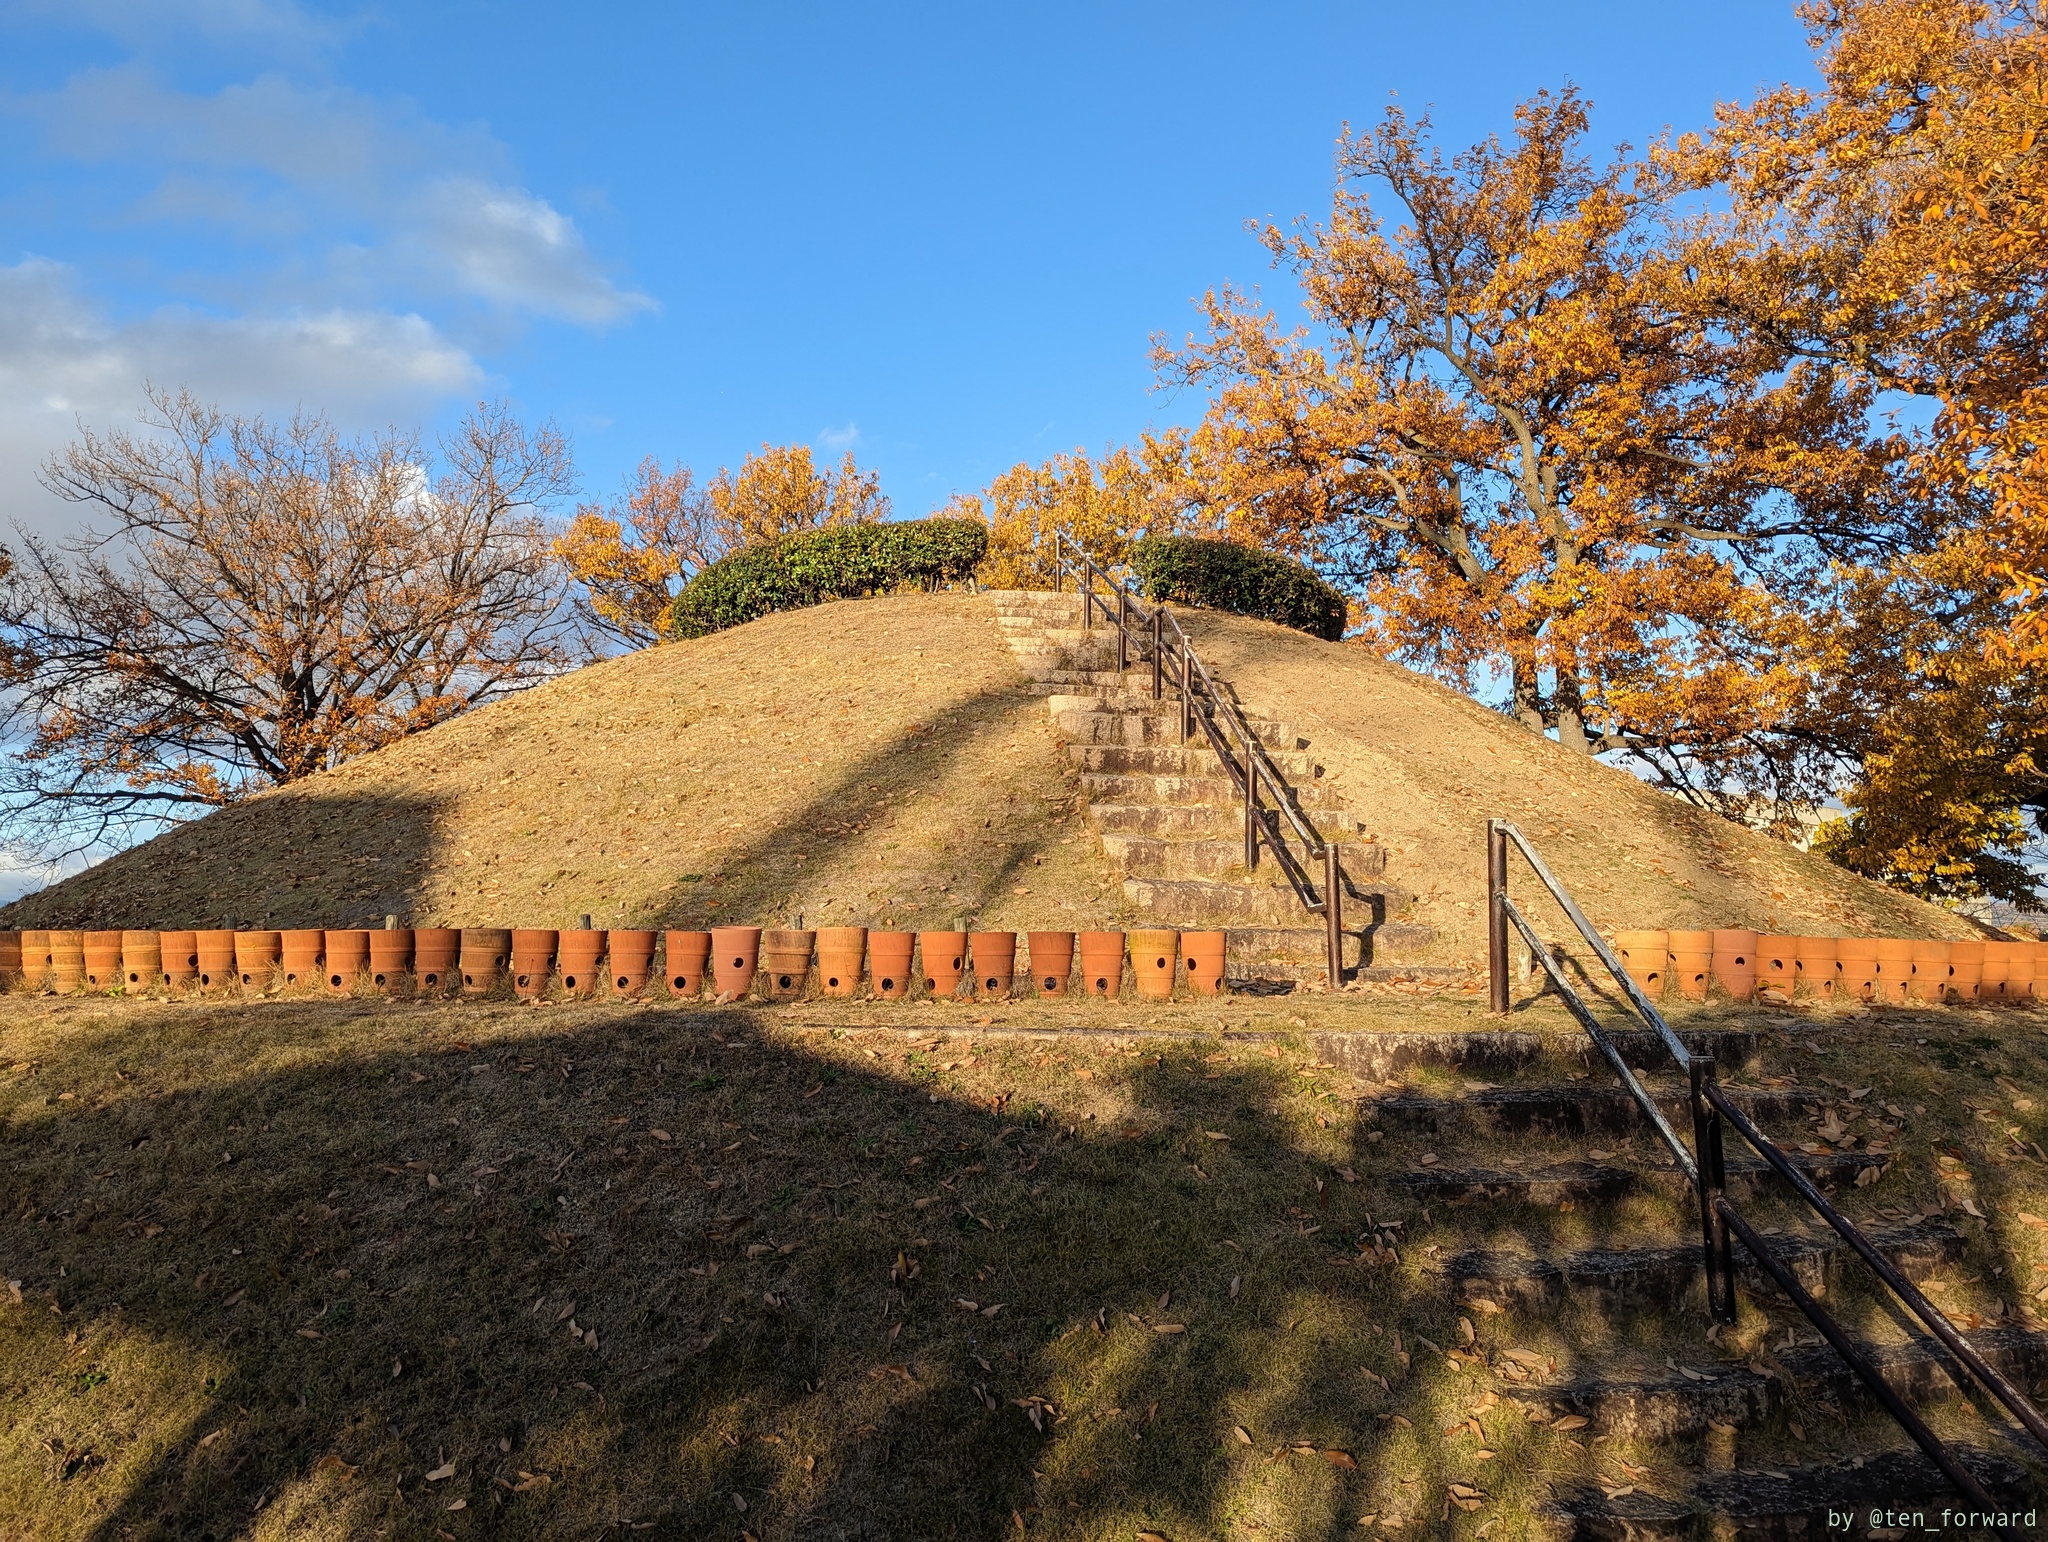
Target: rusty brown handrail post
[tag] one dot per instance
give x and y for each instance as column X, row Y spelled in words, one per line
column 1123, row 638
column 1251, row 804
column 1187, row 704
column 1158, row 648
column 1333, row 913
column 1497, row 917
column 1710, row 1153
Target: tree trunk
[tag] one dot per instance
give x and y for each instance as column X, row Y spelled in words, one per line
column 1522, row 688
column 1571, row 723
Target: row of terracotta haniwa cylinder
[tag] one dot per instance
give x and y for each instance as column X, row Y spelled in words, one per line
column 1741, row 964
column 622, row 962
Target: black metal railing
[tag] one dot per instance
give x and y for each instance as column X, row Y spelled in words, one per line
column 1271, row 810
column 1705, row 1166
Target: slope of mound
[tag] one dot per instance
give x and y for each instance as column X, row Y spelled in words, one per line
column 872, row 760
column 1424, row 768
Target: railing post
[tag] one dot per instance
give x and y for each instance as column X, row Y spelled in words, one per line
column 1123, row 638
column 1717, row 1250
column 1187, row 702
column 1158, row 648
column 1497, row 917
column 1251, row 803
column 1087, row 598
column 1059, row 566
column 1333, row 913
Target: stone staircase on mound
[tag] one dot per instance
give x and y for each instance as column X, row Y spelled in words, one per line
column 1171, row 819
column 1534, row 1202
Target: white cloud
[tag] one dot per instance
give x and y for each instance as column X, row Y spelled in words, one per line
column 507, row 247
column 839, row 438
column 63, row 360
column 271, row 24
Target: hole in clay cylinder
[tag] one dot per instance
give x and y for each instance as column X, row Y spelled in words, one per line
column 931, row 985
column 989, row 984
column 135, row 979
column 1051, row 983
column 620, row 983
column 334, row 979
column 739, row 963
column 888, row 985
column 785, row 981
column 833, row 982
column 377, row 979
column 678, row 982
column 569, row 981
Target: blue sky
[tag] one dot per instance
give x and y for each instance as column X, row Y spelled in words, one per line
column 941, row 235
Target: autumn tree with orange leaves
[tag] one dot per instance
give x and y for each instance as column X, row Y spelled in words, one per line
column 1504, row 427
column 1105, row 503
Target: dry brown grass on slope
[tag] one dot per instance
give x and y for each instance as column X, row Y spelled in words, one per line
column 869, row 761
column 1424, row 768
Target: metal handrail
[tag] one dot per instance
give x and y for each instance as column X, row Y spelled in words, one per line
column 1247, row 763
column 1705, row 1168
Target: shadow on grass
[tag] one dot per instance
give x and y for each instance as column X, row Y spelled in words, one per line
column 685, row 1272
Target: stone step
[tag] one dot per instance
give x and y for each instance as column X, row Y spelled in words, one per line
column 1592, row 1182
column 1141, row 720
column 1577, row 1111
column 1652, row 1277
column 1171, row 821
column 1382, row 1054
column 1194, row 859
column 1204, row 791
column 1792, row 1502
column 1195, row 758
column 1201, row 902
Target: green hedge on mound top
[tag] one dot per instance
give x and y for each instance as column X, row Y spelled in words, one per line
column 841, row 562
column 1222, row 575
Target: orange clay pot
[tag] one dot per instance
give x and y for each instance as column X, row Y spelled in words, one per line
column 1102, row 963
column 142, row 961
column 10, row 953
column 1205, row 954
column 1856, row 967
column 840, row 951
column 786, row 961
column 1734, row 966
column 995, row 963
column 102, row 960
column 1815, row 960
column 216, row 959
column 390, row 956
column 735, row 954
column 1965, row 969
column 2019, row 972
column 1692, row 963
column 1646, row 956
column 436, row 955
column 1894, row 968
column 579, row 958
column 1155, row 958
column 485, row 950
column 67, row 961
column 689, row 955
column 1997, row 966
column 1052, row 960
column 348, row 955
column 889, row 963
column 257, row 955
column 301, row 951
column 533, row 959
column 35, row 959
column 945, row 961
column 630, row 962
column 1930, row 970
column 179, row 954
column 1777, row 962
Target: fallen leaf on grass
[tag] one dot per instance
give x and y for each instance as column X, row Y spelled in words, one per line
column 1341, row 1459
column 661, row 1135
column 446, row 1470
column 309, row 1333
column 1150, row 1536
column 1216, row 1135
column 460, row 1504
column 531, row 1480
column 1244, row 1436
column 1169, row 1327
column 1571, row 1422
column 327, row 1463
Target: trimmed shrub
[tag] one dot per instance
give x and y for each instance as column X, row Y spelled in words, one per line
column 840, row 562
column 1222, row 575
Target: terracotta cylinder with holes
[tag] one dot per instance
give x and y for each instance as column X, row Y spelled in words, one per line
column 1965, row 969
column 579, row 960
column 347, row 955
column 1734, row 966
column 102, row 960
column 1051, row 961
column 1856, row 968
column 179, row 952
column 2040, row 951
column 735, row 955
column 1646, row 956
column 889, row 966
column 630, row 961
column 485, row 950
column 1204, row 954
column 257, row 955
column 1102, row 963
column 1894, row 968
column 995, row 963
column 301, row 955
column 1692, row 963
column 390, row 956
column 1814, row 963
column 10, row 956
column 1930, row 970
column 533, row 960
column 1777, row 963
column 786, row 961
column 945, row 961
column 142, row 961
column 35, row 960
column 436, row 955
column 67, row 961
column 687, row 957
column 216, row 950
column 841, row 951
column 1155, row 959
column 1997, row 968
column 2019, row 972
